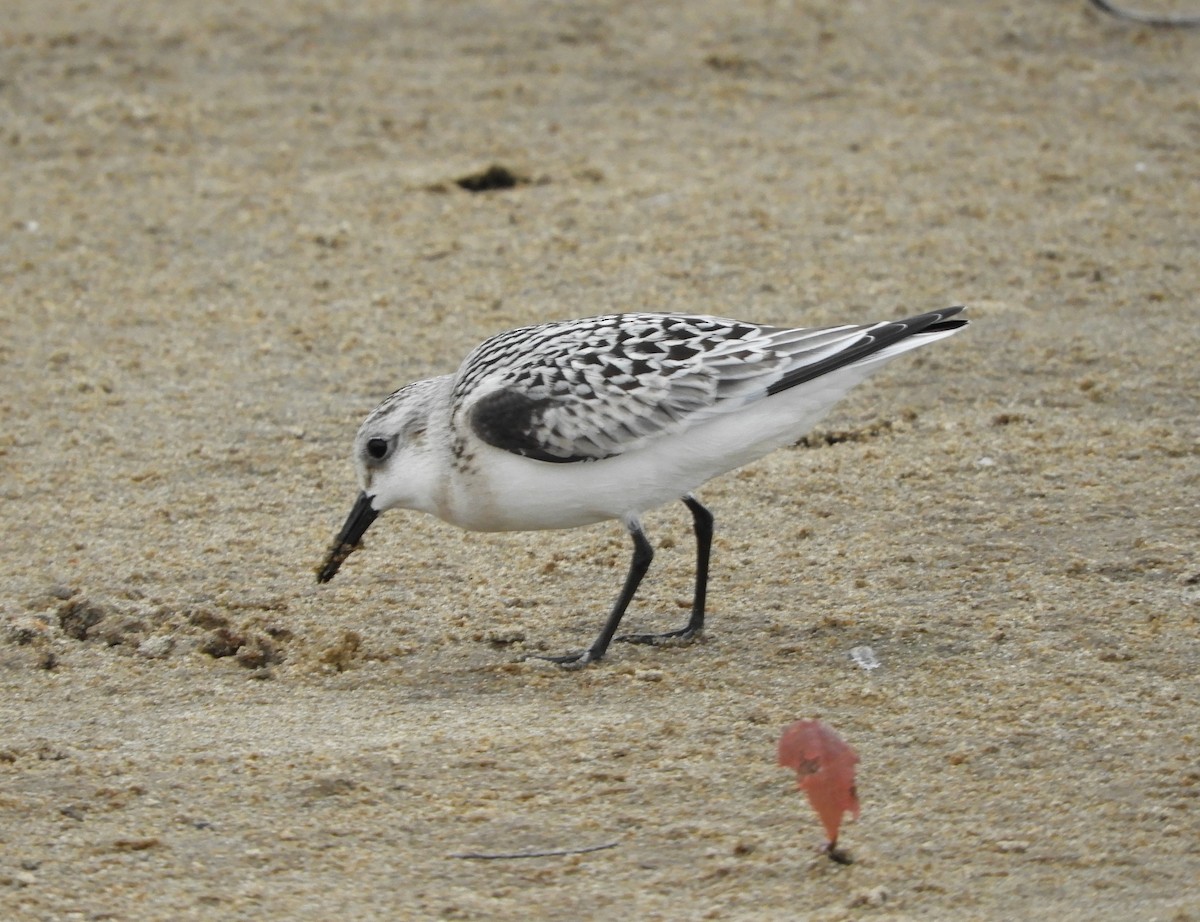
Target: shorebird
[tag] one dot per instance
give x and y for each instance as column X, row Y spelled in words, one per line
column 570, row 423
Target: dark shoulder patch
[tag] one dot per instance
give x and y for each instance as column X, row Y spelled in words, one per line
column 510, row 420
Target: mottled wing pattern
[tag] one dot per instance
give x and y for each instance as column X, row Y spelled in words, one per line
column 589, row 389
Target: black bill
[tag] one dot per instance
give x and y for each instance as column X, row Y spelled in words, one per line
column 359, row 520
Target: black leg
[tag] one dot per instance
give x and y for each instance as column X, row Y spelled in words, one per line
column 702, row 521
column 643, row 553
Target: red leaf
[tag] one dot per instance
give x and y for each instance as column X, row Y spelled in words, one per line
column 824, row 766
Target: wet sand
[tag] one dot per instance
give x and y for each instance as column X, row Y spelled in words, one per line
column 231, row 228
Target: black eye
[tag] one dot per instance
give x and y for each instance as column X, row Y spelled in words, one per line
column 377, row 448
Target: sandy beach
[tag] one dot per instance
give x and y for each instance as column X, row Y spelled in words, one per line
column 231, row 228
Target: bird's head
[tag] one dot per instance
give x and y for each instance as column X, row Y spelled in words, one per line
column 396, row 464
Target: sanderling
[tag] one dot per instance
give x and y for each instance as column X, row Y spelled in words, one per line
column 567, row 424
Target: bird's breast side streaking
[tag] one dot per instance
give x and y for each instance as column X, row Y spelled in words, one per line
column 571, row 423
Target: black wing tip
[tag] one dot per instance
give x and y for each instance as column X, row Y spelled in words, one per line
column 874, row 339
column 936, row 321
column 930, row 322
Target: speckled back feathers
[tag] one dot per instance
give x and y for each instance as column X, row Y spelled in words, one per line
column 590, row 389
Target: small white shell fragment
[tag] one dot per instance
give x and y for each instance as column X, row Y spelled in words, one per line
column 865, row 658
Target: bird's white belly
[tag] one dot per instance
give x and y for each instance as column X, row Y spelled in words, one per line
column 506, row 492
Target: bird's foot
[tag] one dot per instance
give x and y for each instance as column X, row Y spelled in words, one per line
column 682, row 635
column 567, row 660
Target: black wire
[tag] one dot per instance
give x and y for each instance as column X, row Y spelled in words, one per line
column 1148, row 19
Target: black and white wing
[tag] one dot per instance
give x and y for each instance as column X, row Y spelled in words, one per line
column 589, row 389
